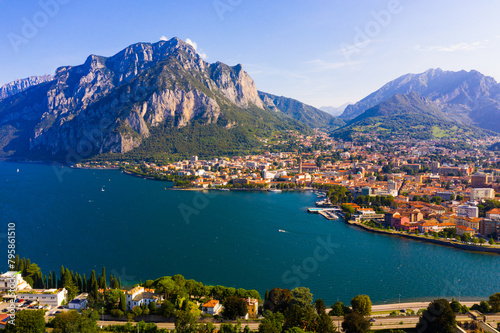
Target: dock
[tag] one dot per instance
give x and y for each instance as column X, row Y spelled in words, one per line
column 328, row 213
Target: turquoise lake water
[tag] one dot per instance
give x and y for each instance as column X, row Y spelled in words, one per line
column 138, row 229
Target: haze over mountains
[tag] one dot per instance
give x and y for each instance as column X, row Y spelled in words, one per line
column 164, row 99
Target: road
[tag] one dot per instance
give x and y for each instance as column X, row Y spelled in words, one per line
column 414, row 306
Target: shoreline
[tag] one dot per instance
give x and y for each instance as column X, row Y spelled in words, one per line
column 464, row 247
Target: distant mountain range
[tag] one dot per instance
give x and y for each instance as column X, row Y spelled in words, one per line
column 407, row 116
column 147, row 100
column 307, row 114
column 469, row 98
column 334, row 110
column 20, row 85
column 162, row 99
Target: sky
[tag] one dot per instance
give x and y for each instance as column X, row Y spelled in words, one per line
column 321, row 52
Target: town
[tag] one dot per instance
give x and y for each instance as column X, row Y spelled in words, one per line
column 448, row 189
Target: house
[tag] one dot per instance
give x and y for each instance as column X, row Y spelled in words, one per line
column 4, row 319
column 212, row 307
column 470, row 222
column 139, row 295
column 467, row 211
column 253, row 308
column 493, row 214
column 461, row 229
column 79, row 303
column 51, row 297
column 12, row 281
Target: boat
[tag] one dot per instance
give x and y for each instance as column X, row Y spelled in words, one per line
column 281, row 230
column 274, row 190
column 224, row 189
column 102, row 189
column 17, row 170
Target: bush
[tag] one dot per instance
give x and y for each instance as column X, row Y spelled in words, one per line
column 117, row 313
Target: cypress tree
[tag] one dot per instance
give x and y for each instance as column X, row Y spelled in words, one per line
column 120, row 282
column 103, row 278
column 84, row 285
column 123, row 302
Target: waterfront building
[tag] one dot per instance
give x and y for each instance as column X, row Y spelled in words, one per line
column 51, row 297
column 461, row 229
column 79, row 302
column 212, row 307
column 12, row 281
column 140, row 295
column 489, row 228
column 253, row 308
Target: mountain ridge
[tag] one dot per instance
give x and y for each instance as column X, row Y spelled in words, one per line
column 467, row 97
column 117, row 101
column 408, row 116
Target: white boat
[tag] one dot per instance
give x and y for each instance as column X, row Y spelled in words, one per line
column 17, row 170
column 224, row 189
column 274, row 190
column 102, row 189
column 281, row 230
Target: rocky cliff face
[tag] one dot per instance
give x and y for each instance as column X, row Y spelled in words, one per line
column 111, row 104
column 467, row 97
column 21, row 85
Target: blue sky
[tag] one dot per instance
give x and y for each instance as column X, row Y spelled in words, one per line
column 321, row 52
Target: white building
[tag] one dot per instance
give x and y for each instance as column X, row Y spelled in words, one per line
column 12, row 281
column 51, row 297
column 139, row 295
column 212, row 307
column 79, row 303
column 467, row 211
column 482, row 193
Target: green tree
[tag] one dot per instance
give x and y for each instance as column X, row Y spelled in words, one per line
column 152, row 307
column 234, row 307
column 319, row 305
column 495, row 302
column 355, row 322
column 123, row 302
column 272, row 322
column 324, row 324
column 279, row 300
column 438, row 318
column 27, row 321
column 73, row 322
column 302, row 296
column 491, row 241
column 362, row 305
column 300, row 316
column 339, row 309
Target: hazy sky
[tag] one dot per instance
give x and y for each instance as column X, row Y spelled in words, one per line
column 319, row 52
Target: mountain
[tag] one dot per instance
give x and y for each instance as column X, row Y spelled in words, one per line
column 407, row 116
column 304, row 113
column 467, row 97
column 334, row 110
column 20, row 85
column 146, row 100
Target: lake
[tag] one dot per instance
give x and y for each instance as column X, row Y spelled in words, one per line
column 141, row 229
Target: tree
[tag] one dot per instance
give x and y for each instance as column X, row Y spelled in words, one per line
column 167, row 309
column 324, row 324
column 362, row 305
column 234, row 307
column 491, row 241
column 27, row 321
column 495, row 302
column 320, row 306
column 152, row 307
column 438, row 318
column 483, row 307
column 279, row 300
column 73, row 322
column 300, row 316
column 123, row 302
column 302, row 296
column 272, row 322
column 355, row 322
column 339, row 309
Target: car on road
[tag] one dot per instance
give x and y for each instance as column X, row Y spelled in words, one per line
column 372, row 320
